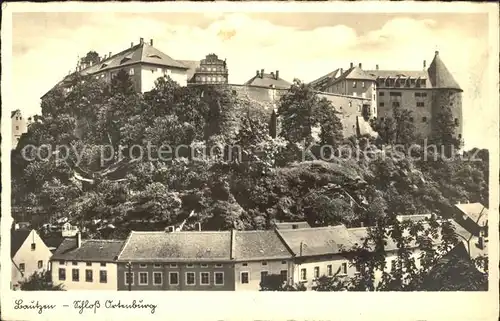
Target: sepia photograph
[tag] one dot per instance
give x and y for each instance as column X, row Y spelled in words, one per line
column 258, row 151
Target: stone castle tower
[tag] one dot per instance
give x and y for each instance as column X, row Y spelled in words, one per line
column 445, row 93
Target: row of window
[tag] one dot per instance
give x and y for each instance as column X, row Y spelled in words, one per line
column 19, row 118
column 354, row 84
column 245, row 276
column 89, row 275
column 424, row 120
column 397, row 104
column 22, row 266
column 401, row 83
column 212, row 69
column 103, row 264
column 329, row 271
column 210, row 79
column 173, row 278
column 398, row 94
column 174, row 265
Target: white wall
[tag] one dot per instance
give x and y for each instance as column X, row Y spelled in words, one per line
column 322, row 262
column 30, row 257
column 69, row 284
column 254, row 268
column 149, row 74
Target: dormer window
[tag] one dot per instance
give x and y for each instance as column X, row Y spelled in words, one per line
column 103, row 66
column 124, row 60
column 154, row 56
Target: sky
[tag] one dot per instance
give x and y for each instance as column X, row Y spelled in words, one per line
column 46, row 46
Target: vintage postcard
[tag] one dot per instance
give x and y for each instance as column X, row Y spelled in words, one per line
column 198, row 160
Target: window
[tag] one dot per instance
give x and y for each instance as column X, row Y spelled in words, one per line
column 264, row 263
column 74, row 263
column 40, row 264
column 61, row 262
column 219, row 278
column 131, row 72
column 381, row 104
column 88, row 276
column 417, row 94
column 103, row 263
column 423, row 94
column 143, row 278
column 190, row 278
column 284, row 275
column 103, row 277
column 89, row 263
column 353, row 84
column 204, row 278
column 263, row 275
column 157, row 278
column 359, row 108
column 218, row 265
column 363, row 84
column 395, row 104
column 424, row 119
column 283, row 262
column 129, row 278
column 156, row 265
column 17, row 127
column 75, row 273
column 190, row 265
column 142, row 265
column 244, row 264
column 316, row 272
column 343, row 268
column 33, row 246
column 329, row 270
column 244, row 277
column 395, row 94
column 303, row 274
column 173, row 265
column 381, row 93
column 456, row 121
column 62, row 274
column 173, row 278
column 420, row 104
column 204, row 265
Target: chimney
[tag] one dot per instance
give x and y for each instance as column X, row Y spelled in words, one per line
column 262, row 73
column 425, row 64
column 341, row 71
column 436, row 53
column 233, row 243
column 376, row 67
column 131, row 44
column 141, row 41
column 352, row 64
column 104, row 58
column 109, row 54
column 78, row 240
column 360, row 66
column 257, row 73
column 151, row 42
column 272, row 75
column 277, row 74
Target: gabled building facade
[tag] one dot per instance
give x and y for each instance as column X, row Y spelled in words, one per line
column 29, row 255
column 210, row 70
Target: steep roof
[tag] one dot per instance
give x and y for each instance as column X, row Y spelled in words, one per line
column 455, row 272
column 477, row 212
column 14, row 112
column 356, row 73
column 142, row 53
column 268, row 80
column 90, row 250
column 254, row 245
column 439, row 75
column 318, row 241
column 17, row 238
column 52, row 240
column 320, row 83
column 191, row 65
column 177, row 246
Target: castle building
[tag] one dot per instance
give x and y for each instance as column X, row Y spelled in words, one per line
column 423, row 92
column 210, row 70
column 143, row 62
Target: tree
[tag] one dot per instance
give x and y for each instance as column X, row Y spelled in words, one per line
column 91, row 57
column 398, row 129
column 444, row 132
column 40, row 281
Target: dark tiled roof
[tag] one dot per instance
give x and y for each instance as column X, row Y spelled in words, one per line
column 191, row 65
column 90, row 250
column 141, row 53
column 455, row 272
column 290, row 225
column 356, row 73
column 17, row 238
column 323, row 81
column 477, row 212
column 318, row 241
column 52, row 240
column 439, row 75
column 268, row 80
column 12, row 113
column 177, row 246
column 259, row 245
